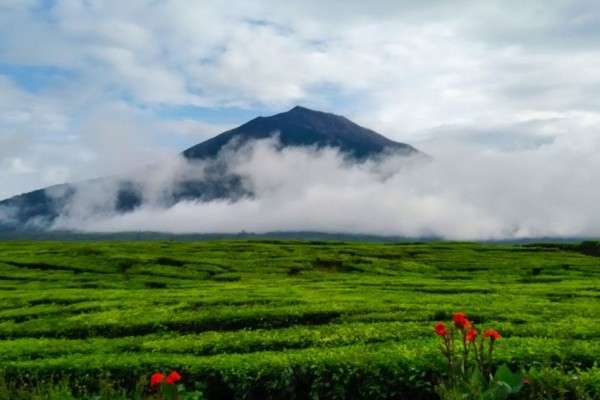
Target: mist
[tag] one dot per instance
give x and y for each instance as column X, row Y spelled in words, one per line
column 460, row 194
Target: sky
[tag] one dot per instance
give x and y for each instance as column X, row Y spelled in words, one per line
column 91, row 88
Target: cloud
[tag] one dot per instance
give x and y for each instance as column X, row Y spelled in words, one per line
column 461, row 194
column 43, row 142
column 266, row 54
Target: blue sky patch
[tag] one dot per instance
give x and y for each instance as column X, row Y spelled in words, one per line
column 217, row 115
column 35, row 78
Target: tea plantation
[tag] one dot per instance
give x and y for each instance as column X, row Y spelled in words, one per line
column 289, row 319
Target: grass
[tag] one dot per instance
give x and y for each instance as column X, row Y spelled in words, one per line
column 288, row 319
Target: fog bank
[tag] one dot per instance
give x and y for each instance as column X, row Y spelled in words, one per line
column 548, row 191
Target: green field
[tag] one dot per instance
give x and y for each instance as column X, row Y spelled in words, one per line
column 290, row 319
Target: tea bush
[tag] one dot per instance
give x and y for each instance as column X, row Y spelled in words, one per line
column 353, row 322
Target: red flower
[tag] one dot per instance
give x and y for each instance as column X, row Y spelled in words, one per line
column 492, row 334
column 460, row 320
column 156, row 379
column 471, row 335
column 173, row 377
column 440, row 329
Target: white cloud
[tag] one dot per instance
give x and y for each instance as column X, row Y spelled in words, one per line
column 461, row 194
column 413, row 64
column 17, row 166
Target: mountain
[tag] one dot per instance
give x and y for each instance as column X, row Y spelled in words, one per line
column 297, row 127
column 304, row 127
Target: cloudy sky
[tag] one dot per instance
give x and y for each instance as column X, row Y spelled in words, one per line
column 88, row 88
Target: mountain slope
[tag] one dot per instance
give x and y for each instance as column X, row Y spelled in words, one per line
column 297, row 127
column 304, row 127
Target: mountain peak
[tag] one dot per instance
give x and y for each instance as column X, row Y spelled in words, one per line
column 302, row 126
column 301, row 109
column 305, row 111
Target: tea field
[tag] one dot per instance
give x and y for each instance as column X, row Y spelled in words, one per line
column 289, row 319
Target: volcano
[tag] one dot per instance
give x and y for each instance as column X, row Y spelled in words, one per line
column 304, row 127
column 298, row 127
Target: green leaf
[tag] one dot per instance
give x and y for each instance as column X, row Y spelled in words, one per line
column 514, row 381
column 499, row 391
column 477, row 378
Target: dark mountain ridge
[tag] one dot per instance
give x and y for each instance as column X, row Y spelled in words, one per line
column 304, row 127
column 297, row 127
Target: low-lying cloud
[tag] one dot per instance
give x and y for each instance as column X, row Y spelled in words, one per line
column 546, row 191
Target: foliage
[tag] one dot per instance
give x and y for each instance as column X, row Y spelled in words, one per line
column 353, row 321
